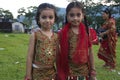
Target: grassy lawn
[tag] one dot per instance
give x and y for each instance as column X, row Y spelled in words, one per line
column 13, row 50
column 12, row 58
column 102, row 73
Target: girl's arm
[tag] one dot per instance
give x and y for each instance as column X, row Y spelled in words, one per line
column 92, row 65
column 30, row 57
column 112, row 27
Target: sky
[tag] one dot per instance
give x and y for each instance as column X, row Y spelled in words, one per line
column 14, row 5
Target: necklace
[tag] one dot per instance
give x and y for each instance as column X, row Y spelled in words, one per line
column 47, row 33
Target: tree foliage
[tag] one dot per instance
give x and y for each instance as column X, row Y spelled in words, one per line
column 30, row 13
column 5, row 14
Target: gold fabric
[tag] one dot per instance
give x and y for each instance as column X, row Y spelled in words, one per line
column 45, row 57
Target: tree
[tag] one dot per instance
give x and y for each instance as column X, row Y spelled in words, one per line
column 28, row 13
column 31, row 12
column 7, row 14
column 116, row 1
column 22, row 11
column 1, row 13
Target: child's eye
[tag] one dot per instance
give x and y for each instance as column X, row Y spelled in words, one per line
column 78, row 14
column 72, row 15
column 44, row 17
column 50, row 17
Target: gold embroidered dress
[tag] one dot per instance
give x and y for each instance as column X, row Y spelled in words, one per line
column 45, row 57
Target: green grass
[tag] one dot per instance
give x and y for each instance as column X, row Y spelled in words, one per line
column 102, row 73
column 13, row 58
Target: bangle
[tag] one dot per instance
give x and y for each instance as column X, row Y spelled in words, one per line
column 93, row 72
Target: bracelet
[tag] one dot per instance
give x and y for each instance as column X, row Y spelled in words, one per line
column 93, row 72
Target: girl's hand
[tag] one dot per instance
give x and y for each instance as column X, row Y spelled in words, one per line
column 102, row 34
column 27, row 78
column 93, row 78
column 93, row 74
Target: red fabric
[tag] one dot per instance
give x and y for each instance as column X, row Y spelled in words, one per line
column 80, row 54
column 93, row 36
column 87, row 78
column 107, row 50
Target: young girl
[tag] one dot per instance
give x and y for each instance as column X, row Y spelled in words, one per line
column 42, row 50
column 75, row 60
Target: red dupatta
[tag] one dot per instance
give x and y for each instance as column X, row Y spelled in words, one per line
column 80, row 54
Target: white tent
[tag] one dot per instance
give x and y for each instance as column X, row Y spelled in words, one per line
column 17, row 27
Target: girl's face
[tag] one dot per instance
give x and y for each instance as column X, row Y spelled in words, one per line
column 47, row 18
column 75, row 16
column 104, row 15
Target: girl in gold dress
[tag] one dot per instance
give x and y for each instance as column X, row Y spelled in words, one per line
column 41, row 58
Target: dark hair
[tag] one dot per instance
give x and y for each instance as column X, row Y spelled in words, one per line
column 42, row 7
column 107, row 11
column 79, row 5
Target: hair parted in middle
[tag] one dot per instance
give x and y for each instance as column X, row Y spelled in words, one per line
column 79, row 5
column 74, row 4
column 42, row 7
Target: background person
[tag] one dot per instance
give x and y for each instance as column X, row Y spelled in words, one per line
column 107, row 50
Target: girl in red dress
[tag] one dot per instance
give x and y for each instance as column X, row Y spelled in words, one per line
column 75, row 61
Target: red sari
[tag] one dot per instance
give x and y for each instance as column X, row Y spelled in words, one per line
column 108, row 46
